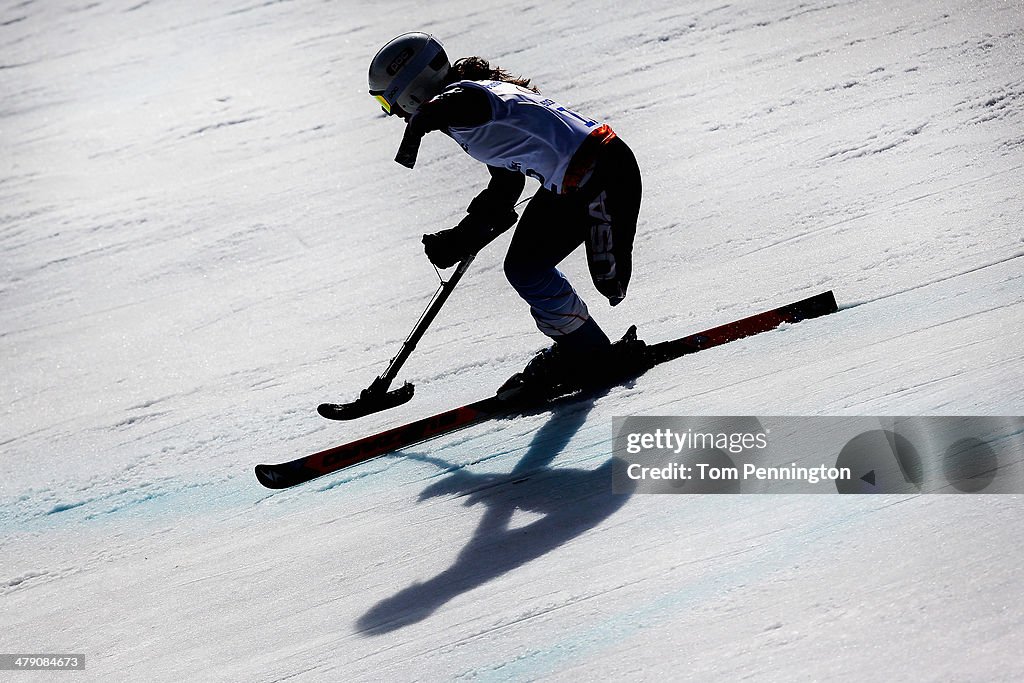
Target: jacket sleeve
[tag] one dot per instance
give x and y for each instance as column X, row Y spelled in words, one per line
column 458, row 107
column 492, row 212
column 500, row 195
column 489, row 215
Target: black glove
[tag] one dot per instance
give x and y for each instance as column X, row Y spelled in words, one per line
column 446, row 248
column 478, row 229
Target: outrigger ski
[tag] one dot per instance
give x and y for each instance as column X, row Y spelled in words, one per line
column 377, row 397
column 309, row 467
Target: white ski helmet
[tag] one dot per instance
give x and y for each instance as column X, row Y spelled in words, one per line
column 407, row 72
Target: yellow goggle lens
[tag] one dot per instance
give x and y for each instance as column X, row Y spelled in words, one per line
column 383, row 103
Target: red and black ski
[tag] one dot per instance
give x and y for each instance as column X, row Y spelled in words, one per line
column 308, row 467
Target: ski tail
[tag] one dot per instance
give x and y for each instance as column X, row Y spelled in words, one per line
column 812, row 307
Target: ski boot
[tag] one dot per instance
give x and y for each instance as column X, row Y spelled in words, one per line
column 559, row 368
column 581, row 361
column 628, row 357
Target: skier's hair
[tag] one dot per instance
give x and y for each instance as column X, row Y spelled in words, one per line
column 479, row 69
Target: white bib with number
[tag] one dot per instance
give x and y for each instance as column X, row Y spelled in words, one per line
column 528, row 133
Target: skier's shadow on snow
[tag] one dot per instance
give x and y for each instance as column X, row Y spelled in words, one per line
column 571, row 500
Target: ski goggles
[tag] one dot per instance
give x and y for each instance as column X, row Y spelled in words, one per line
column 384, row 104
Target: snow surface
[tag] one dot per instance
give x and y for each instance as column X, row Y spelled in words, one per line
column 204, row 235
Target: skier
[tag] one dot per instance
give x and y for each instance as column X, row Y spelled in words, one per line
column 590, row 190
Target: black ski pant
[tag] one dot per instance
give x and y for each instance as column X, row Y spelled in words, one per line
column 602, row 214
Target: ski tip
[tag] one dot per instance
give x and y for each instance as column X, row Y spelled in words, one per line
column 269, row 477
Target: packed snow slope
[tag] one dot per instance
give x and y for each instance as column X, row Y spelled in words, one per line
column 204, row 235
